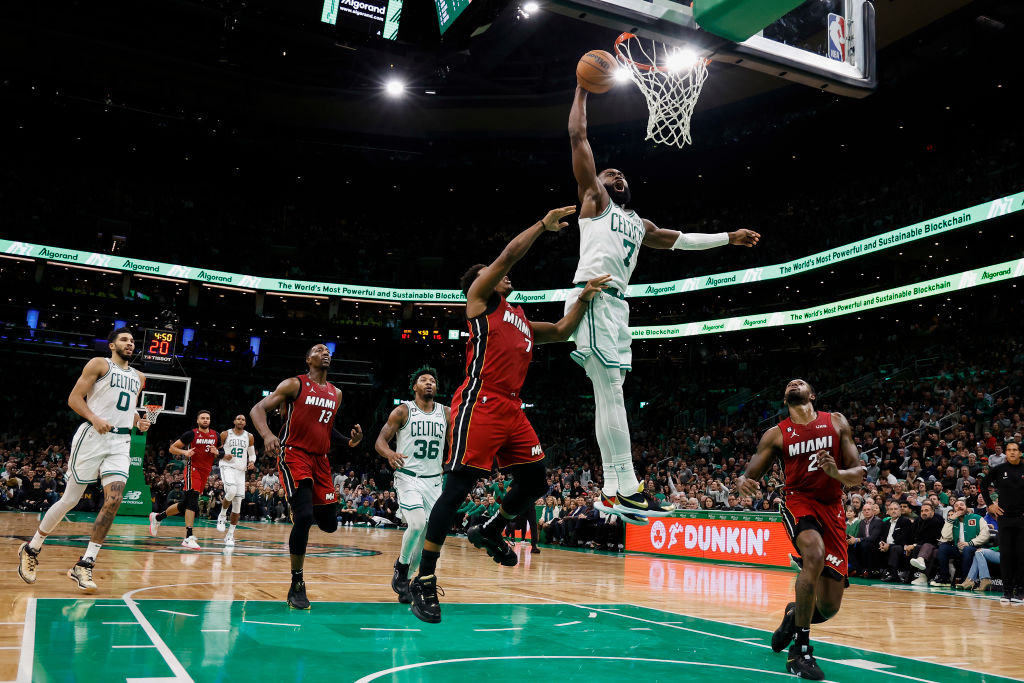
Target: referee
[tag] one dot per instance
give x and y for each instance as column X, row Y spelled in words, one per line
column 1008, row 480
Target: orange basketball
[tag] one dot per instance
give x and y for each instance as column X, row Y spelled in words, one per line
column 595, row 71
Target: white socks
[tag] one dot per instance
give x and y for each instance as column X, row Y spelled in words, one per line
column 412, row 539
column 91, row 552
column 611, row 427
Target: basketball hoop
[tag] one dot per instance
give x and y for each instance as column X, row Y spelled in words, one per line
column 670, row 80
column 152, row 412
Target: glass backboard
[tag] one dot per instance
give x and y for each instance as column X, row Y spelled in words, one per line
column 828, row 44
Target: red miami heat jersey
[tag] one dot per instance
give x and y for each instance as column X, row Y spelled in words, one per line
column 201, row 443
column 310, row 417
column 500, row 348
column 800, row 446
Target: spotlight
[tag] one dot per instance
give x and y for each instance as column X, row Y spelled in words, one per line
column 622, row 75
column 530, row 7
column 394, row 87
column 680, row 59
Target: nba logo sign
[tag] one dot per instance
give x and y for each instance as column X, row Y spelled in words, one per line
column 836, row 37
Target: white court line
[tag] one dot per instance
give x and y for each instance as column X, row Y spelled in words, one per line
column 10, row 647
column 640, row 628
column 125, row 647
column 214, row 630
column 269, row 623
column 28, row 643
column 179, row 671
column 182, row 614
column 513, row 628
column 748, row 639
column 364, row 628
column 569, row 623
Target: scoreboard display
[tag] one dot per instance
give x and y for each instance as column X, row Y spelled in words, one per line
column 158, row 347
column 448, row 11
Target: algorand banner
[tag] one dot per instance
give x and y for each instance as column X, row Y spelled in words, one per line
column 924, row 229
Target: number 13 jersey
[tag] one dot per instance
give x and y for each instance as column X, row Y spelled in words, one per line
column 422, row 440
column 800, row 446
column 609, row 245
column 310, row 419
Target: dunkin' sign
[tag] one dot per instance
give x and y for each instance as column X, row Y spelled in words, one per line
column 759, row 539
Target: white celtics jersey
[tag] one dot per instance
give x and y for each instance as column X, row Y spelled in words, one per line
column 421, row 440
column 115, row 395
column 238, row 447
column 609, row 245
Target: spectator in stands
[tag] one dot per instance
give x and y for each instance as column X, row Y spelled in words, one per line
column 899, row 535
column 922, row 552
column 864, row 554
column 252, row 509
column 548, row 515
column 962, row 535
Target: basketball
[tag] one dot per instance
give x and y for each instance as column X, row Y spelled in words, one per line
column 595, row 71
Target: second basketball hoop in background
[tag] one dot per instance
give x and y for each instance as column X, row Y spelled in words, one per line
column 595, row 72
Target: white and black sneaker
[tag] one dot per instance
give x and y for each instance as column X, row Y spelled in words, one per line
column 28, row 560
column 81, row 574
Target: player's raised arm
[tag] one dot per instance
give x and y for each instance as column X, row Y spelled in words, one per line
column 768, row 449
column 286, row 392
column 395, row 421
column 544, row 333
column 853, row 470
column 592, row 194
column 92, row 371
column 661, row 238
column 489, row 277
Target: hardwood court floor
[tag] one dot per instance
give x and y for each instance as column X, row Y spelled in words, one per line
column 162, row 612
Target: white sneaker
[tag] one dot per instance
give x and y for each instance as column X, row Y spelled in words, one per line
column 221, row 523
column 190, row 543
column 229, row 540
column 921, row 580
column 81, row 574
column 154, row 524
column 917, row 563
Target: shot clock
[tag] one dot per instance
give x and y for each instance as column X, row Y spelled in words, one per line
column 158, row 347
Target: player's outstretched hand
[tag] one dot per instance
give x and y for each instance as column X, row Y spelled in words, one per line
column 396, row 460
column 828, row 464
column 357, row 436
column 744, row 238
column 142, row 425
column 747, row 487
column 594, row 287
column 553, row 220
column 271, row 445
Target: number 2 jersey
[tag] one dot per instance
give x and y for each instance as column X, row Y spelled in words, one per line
column 609, row 245
column 800, row 446
column 310, row 418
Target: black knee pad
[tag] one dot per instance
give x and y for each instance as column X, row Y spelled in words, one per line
column 326, row 517
column 456, row 486
column 301, row 503
column 190, row 501
column 529, row 482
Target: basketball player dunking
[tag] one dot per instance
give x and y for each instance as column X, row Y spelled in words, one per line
column 239, row 455
column 610, row 238
column 809, row 443
column 199, row 447
column 312, row 405
column 105, row 395
column 421, row 426
column 488, row 423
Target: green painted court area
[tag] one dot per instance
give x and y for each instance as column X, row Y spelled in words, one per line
column 78, row 640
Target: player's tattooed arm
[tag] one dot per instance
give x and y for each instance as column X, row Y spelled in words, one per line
column 853, row 470
column 767, row 450
column 395, row 421
column 286, row 392
column 92, row 371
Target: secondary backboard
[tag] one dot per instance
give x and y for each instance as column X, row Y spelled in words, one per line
column 828, row 44
column 170, row 391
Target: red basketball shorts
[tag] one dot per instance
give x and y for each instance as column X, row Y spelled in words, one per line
column 489, row 426
column 829, row 519
column 196, row 474
column 294, row 465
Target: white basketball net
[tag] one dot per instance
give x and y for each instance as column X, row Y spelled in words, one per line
column 670, row 81
column 153, row 412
